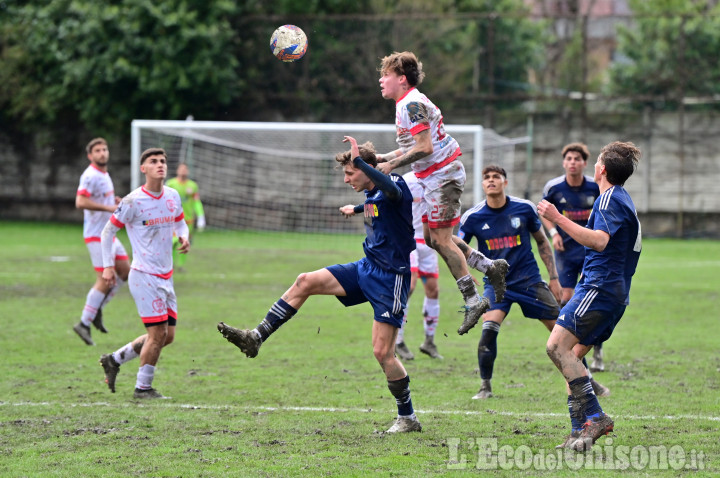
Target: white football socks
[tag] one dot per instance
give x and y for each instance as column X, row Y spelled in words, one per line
column 92, row 304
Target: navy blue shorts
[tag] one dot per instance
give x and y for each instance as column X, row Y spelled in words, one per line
column 591, row 316
column 386, row 291
column 536, row 302
column 569, row 265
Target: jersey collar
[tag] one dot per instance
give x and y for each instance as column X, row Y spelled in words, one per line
column 403, row 96
column 150, row 194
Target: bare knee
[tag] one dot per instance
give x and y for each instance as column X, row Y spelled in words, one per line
column 169, row 338
column 303, row 283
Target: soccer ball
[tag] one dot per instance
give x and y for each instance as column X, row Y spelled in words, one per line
column 288, row 43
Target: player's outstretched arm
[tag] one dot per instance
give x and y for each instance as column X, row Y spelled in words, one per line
column 350, row 210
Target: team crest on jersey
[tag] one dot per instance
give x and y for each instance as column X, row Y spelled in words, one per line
column 158, row 305
column 515, row 222
column 170, row 205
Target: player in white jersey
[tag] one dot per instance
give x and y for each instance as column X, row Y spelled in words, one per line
column 96, row 196
column 434, row 154
column 151, row 214
column 423, row 264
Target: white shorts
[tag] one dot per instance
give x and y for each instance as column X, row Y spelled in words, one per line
column 442, row 191
column 154, row 297
column 424, row 261
column 96, row 253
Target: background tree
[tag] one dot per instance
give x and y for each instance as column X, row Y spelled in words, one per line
column 671, row 44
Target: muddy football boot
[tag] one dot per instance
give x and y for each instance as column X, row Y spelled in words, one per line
column 150, row 393
column 592, row 430
column 405, row 425
column 84, row 332
column 402, row 351
column 429, row 348
column 569, row 440
column 244, row 339
column 111, row 368
column 473, row 314
column 98, row 323
column 599, row 389
column 485, row 391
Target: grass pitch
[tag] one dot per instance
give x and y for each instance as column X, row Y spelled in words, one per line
column 313, row 401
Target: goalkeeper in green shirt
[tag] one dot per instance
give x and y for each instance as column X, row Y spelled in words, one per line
column 193, row 208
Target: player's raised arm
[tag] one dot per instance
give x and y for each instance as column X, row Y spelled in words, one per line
column 382, row 181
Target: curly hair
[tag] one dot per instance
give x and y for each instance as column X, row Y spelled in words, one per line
column 403, row 63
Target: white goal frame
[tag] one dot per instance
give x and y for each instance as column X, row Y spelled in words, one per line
column 137, row 125
column 304, row 144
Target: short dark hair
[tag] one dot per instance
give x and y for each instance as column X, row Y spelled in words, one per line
column 403, row 63
column 578, row 148
column 151, row 152
column 494, row 168
column 367, row 153
column 94, row 142
column 620, row 160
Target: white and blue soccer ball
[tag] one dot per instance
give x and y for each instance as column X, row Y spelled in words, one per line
column 288, row 43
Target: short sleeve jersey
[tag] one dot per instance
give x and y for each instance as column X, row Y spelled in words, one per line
column 389, row 228
column 575, row 203
column 414, row 113
column 504, row 233
column 187, row 191
column 150, row 224
column 98, row 186
column 611, row 270
column 418, row 205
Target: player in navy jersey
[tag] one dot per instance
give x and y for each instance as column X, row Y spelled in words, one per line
column 382, row 277
column 573, row 194
column 613, row 242
column 503, row 226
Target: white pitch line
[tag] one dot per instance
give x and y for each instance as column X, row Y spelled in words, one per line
column 352, row 410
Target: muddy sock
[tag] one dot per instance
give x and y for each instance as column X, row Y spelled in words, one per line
column 124, row 354
column 478, row 261
column 401, row 391
column 469, row 292
column 577, row 418
column 582, row 390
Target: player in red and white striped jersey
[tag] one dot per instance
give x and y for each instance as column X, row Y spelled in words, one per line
column 433, row 154
column 96, row 196
column 152, row 215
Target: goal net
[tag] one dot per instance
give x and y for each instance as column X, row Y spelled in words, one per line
column 283, row 176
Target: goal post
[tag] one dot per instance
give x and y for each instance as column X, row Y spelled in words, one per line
column 274, row 176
